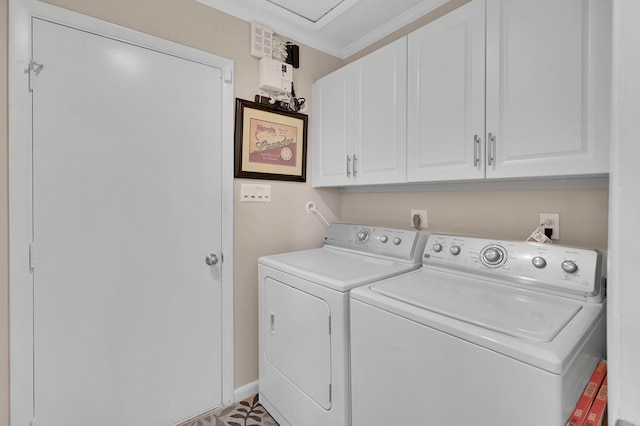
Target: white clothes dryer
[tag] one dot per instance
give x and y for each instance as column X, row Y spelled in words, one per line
column 304, row 318
column 487, row 332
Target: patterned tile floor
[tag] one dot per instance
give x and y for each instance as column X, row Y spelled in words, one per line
column 244, row 413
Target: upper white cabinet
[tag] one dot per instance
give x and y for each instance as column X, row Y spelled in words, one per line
column 359, row 120
column 548, row 86
column 446, row 97
column 540, row 109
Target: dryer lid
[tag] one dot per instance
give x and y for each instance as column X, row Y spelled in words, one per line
column 336, row 269
column 515, row 312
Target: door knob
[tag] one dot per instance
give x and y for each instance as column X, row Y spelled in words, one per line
column 211, row 259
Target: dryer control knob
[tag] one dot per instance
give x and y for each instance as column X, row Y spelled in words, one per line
column 384, row 239
column 455, row 250
column 363, row 236
column 569, row 266
column 539, row 262
column 397, row 240
column 437, row 247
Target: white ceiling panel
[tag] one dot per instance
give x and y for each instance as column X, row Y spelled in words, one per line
column 312, row 10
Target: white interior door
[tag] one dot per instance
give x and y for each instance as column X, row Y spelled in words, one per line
column 127, row 204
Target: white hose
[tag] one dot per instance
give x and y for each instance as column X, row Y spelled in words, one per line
column 311, row 208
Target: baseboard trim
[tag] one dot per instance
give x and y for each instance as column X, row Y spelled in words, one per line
column 245, row 391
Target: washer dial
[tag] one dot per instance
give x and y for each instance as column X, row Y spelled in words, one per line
column 569, row 266
column 493, row 256
column 539, row 262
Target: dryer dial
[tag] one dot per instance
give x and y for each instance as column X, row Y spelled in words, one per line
column 363, row 236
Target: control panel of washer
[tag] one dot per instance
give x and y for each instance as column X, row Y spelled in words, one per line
column 559, row 268
column 401, row 244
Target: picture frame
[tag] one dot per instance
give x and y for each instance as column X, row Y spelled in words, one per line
column 270, row 143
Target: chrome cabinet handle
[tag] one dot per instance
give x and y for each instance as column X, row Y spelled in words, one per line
column 348, row 166
column 476, row 150
column 355, row 165
column 211, row 259
column 491, row 148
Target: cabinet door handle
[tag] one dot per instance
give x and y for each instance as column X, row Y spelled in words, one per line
column 348, row 166
column 355, row 165
column 476, row 150
column 491, row 147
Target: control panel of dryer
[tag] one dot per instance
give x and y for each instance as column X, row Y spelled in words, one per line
column 562, row 269
column 398, row 244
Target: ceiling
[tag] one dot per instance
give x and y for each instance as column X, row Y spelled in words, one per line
column 337, row 27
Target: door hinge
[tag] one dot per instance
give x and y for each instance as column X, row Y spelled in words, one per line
column 227, row 75
column 33, row 70
column 32, row 255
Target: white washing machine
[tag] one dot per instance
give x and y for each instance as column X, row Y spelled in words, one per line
column 486, row 333
column 304, row 318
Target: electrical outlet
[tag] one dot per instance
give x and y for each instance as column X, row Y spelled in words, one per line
column 423, row 218
column 551, row 220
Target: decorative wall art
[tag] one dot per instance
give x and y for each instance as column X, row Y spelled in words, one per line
column 270, row 143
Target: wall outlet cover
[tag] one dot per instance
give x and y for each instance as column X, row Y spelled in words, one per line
column 423, row 218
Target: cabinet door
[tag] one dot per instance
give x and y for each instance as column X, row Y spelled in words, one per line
column 332, row 127
column 548, row 87
column 380, row 114
column 446, row 97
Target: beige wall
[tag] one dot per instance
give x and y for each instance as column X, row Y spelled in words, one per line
column 283, row 224
column 497, row 214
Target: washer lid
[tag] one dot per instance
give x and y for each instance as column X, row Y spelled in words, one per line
column 336, row 269
column 511, row 311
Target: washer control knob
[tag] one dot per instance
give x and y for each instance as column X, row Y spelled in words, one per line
column 397, row 240
column 569, row 266
column 455, row 250
column 539, row 262
column 437, row 247
column 363, row 236
column 384, row 239
column 493, row 255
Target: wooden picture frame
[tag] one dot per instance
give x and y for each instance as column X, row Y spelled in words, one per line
column 270, row 143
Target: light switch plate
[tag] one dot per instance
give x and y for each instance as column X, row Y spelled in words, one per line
column 254, row 193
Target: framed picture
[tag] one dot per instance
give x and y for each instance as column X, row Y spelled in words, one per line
column 270, row 143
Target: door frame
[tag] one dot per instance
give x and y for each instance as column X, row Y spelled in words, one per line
column 21, row 13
